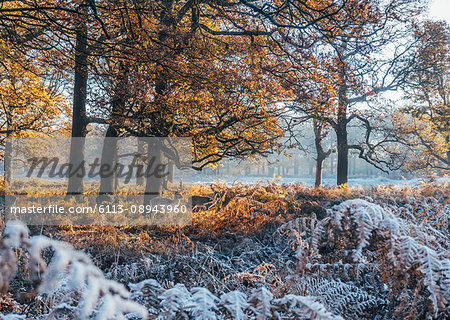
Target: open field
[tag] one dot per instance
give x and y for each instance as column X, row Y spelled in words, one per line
column 260, row 252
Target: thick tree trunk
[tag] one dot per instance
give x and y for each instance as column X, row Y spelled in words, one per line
column 319, row 168
column 342, row 156
column 153, row 181
column 341, row 128
column 109, row 182
column 170, row 172
column 109, row 159
column 79, row 122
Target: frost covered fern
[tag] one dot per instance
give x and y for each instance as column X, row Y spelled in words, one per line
column 74, row 288
column 363, row 237
column 68, row 271
column 200, row 303
column 262, row 252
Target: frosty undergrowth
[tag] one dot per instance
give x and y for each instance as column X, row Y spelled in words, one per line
column 363, row 260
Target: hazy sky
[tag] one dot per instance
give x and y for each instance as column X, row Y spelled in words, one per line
column 440, row 9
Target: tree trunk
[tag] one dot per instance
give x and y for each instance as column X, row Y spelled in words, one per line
column 141, row 150
column 341, row 128
column 169, row 174
column 7, row 169
column 448, row 152
column 332, row 165
column 109, row 159
column 342, row 156
column 319, row 167
column 170, row 171
column 321, row 155
column 153, row 182
column 79, row 123
column 109, row 182
column 8, row 162
column 116, row 178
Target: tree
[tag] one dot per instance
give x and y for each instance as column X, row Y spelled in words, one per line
column 320, row 132
column 348, row 70
column 49, row 28
column 29, row 105
column 424, row 125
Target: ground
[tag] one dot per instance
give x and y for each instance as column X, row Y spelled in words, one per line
column 263, row 251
